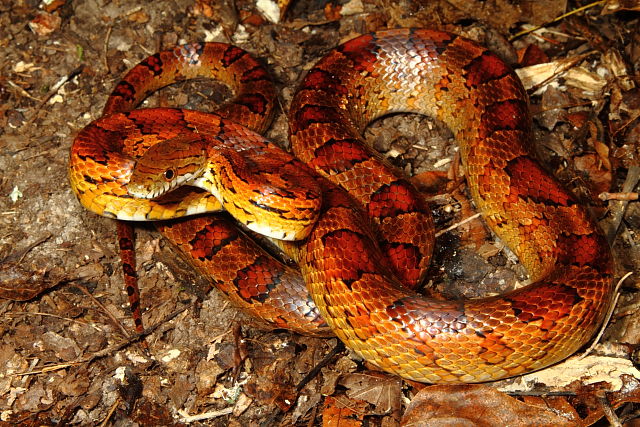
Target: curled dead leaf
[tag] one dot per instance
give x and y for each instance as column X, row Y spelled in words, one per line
column 476, row 405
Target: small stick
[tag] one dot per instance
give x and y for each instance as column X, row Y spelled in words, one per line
column 104, row 309
column 609, row 414
column 607, row 317
column 458, row 224
column 627, row 197
column 105, row 48
column 186, row 418
column 56, row 87
column 112, row 410
column 107, row 351
column 578, row 10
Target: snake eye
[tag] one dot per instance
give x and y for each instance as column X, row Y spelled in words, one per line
column 169, row 174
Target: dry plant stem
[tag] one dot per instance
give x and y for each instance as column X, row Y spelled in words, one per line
column 608, row 411
column 627, row 197
column 68, row 319
column 311, row 375
column 324, row 362
column 627, row 123
column 458, row 224
column 19, row 255
column 109, row 350
column 205, row 415
column 112, row 410
column 104, row 309
column 56, row 87
column 21, row 90
column 614, row 303
column 105, row 48
column 619, row 207
column 573, row 12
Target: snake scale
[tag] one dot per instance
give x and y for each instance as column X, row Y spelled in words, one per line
column 370, row 242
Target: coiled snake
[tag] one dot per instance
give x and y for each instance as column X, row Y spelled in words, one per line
column 360, row 262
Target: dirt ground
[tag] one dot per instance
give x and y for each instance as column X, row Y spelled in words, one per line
column 67, row 356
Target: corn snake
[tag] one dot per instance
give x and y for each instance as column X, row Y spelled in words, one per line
column 356, row 282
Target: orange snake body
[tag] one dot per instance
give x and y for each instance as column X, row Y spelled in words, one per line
column 358, row 274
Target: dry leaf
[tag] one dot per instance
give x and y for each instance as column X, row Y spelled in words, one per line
column 336, row 413
column 18, row 284
column 476, row 405
column 45, row 23
column 381, row 390
column 613, row 6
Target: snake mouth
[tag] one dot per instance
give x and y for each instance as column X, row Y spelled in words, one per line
column 153, row 189
column 139, row 191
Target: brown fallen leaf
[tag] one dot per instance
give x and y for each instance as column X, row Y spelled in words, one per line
column 19, row 284
column 532, row 55
column 613, row 6
column 222, row 12
column 430, row 182
column 596, row 165
column 338, row 413
column 45, row 23
column 476, row 405
column 381, row 390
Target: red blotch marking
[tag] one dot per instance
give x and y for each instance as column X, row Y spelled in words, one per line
column 530, row 181
column 354, row 257
column 255, row 102
column 511, row 114
column 485, row 68
column 254, row 74
column 154, row 64
column 339, row 156
column 405, row 261
column 361, row 51
column 231, row 55
column 125, row 90
column 318, row 79
column 440, row 37
column 146, row 120
column 547, row 302
column 212, row 239
column 392, row 200
column 255, row 282
column 581, row 250
column 310, row 114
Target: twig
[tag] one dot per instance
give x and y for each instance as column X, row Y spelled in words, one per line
column 339, row 348
column 609, row 414
column 627, row 197
column 312, row 374
column 19, row 255
column 458, row 224
column 627, row 123
column 112, row 410
column 205, row 415
column 22, row 91
column 56, row 87
column 26, row 313
column 607, row 317
column 105, row 48
column 107, row 351
column 619, row 207
column 578, row 10
column 104, row 309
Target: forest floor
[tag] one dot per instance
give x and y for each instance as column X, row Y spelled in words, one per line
column 68, row 353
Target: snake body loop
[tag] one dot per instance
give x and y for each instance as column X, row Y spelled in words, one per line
column 360, row 277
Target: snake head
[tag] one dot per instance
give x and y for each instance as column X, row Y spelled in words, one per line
column 167, row 165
